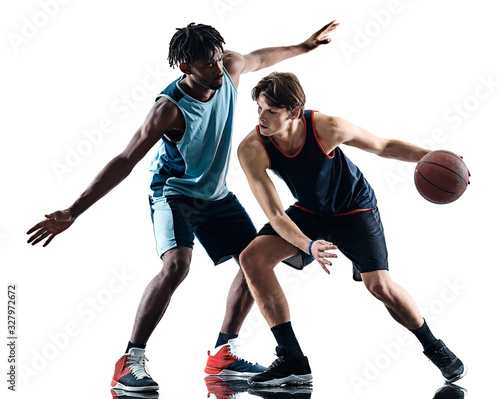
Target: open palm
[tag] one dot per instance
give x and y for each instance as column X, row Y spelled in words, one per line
column 47, row 229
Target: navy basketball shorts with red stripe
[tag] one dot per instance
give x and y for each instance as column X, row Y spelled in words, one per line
column 222, row 226
column 359, row 236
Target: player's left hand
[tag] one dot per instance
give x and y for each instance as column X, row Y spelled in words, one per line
column 468, row 171
column 320, row 251
column 320, row 37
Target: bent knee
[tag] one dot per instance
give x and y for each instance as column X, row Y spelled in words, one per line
column 253, row 261
column 380, row 289
column 175, row 266
column 249, row 259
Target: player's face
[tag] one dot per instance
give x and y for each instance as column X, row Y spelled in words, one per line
column 272, row 120
column 208, row 74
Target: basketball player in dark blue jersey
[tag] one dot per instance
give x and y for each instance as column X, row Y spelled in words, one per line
column 192, row 119
column 336, row 209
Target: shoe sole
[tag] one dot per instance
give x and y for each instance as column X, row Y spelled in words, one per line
column 122, row 387
column 457, row 377
column 293, row 379
column 231, row 373
column 120, row 393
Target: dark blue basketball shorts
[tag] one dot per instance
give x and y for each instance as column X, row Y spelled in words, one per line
column 359, row 236
column 222, row 226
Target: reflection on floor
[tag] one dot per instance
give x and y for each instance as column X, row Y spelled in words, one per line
column 224, row 388
column 232, row 387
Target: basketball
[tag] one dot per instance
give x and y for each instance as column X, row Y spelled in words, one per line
column 441, row 177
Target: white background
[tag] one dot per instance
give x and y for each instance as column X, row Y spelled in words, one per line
column 401, row 69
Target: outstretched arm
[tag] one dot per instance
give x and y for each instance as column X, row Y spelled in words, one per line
column 158, row 120
column 236, row 64
column 334, row 131
column 253, row 160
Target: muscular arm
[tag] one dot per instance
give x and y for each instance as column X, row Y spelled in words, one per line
column 237, row 64
column 254, row 162
column 162, row 116
column 334, row 131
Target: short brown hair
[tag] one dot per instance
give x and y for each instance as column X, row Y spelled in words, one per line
column 282, row 90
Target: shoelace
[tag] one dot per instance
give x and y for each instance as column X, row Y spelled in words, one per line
column 233, row 351
column 276, row 362
column 440, row 358
column 137, row 366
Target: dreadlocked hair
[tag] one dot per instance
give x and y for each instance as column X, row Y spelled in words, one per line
column 194, row 43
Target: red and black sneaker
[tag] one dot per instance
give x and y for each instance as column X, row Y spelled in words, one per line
column 225, row 361
column 131, row 374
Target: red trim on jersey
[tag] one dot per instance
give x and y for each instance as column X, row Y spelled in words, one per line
column 257, row 129
column 336, row 214
column 303, row 141
column 317, row 138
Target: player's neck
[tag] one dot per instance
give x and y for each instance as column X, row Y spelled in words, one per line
column 291, row 139
column 195, row 90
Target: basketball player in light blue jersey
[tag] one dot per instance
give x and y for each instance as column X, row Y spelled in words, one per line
column 193, row 119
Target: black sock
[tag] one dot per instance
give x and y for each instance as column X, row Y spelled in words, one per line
column 424, row 335
column 286, row 337
column 224, row 338
column 132, row 345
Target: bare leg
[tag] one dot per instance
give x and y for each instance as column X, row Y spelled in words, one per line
column 238, row 304
column 258, row 261
column 158, row 293
column 396, row 299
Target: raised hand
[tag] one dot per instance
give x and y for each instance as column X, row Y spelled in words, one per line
column 320, row 37
column 47, row 229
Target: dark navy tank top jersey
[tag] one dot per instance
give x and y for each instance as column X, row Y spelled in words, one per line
column 324, row 184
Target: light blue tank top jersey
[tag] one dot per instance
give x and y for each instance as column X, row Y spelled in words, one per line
column 197, row 165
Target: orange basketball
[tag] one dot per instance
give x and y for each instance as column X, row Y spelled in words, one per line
column 441, row 177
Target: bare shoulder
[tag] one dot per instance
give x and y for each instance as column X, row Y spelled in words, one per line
column 251, row 151
column 250, row 143
column 234, row 63
column 332, row 130
column 326, row 122
column 165, row 115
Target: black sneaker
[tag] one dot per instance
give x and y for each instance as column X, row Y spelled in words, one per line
column 451, row 366
column 286, row 369
column 450, row 392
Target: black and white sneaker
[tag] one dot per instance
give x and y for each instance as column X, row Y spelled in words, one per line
column 451, row 366
column 286, row 370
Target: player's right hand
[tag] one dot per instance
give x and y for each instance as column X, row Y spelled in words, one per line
column 321, row 252
column 47, row 229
